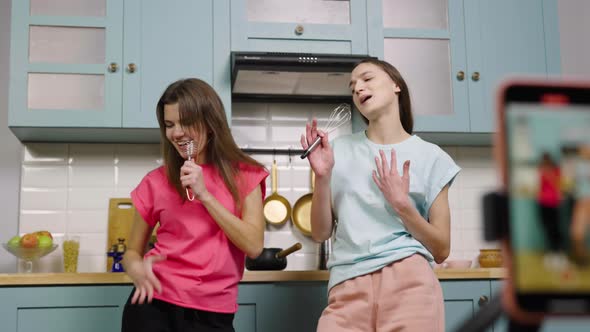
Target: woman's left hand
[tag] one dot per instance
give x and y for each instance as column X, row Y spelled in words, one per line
column 394, row 187
column 191, row 175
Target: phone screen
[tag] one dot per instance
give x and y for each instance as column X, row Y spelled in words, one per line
column 547, row 134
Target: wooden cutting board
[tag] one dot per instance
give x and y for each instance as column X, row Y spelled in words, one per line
column 121, row 213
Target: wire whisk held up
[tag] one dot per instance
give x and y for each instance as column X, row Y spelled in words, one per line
column 189, row 148
column 339, row 116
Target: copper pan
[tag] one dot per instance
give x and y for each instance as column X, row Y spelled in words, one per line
column 277, row 208
column 301, row 214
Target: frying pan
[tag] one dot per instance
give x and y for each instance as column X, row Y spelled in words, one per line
column 271, row 258
column 276, row 207
column 301, row 215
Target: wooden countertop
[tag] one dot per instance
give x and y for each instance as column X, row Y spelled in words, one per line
column 42, row 279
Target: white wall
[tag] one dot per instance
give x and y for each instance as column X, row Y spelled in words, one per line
column 10, row 148
column 574, row 27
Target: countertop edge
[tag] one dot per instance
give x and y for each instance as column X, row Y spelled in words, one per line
column 56, row 279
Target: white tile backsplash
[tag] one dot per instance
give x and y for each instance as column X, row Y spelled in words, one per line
column 66, row 187
column 44, row 176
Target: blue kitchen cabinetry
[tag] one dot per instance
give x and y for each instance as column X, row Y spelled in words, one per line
column 285, row 306
column 263, row 307
column 306, row 26
column 454, row 53
column 63, row 309
column 96, row 69
column 463, row 298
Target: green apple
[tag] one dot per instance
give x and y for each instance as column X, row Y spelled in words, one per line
column 14, row 241
column 45, row 241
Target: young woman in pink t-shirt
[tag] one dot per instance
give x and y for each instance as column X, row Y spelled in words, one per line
column 189, row 280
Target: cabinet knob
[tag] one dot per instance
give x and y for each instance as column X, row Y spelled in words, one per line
column 113, row 67
column 475, row 76
column 483, row 300
column 299, row 30
column 131, row 68
column 460, row 75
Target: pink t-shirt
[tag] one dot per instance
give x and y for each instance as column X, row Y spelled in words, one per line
column 203, row 268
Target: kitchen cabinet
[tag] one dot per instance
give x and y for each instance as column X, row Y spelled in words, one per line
column 284, row 306
column 454, row 53
column 463, row 299
column 304, row 26
column 63, row 309
column 97, row 68
column 287, row 306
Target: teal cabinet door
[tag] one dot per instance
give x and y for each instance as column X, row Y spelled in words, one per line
column 426, row 43
column 166, row 41
column 65, row 65
column 306, row 26
column 453, row 53
column 507, row 38
column 98, row 72
column 64, row 309
column 462, row 299
column 285, row 307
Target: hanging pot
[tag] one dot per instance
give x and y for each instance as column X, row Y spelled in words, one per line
column 271, row 258
column 301, row 214
column 277, row 208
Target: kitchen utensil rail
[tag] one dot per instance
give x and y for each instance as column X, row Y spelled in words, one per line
column 282, row 151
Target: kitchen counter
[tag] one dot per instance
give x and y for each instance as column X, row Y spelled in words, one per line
column 40, row 279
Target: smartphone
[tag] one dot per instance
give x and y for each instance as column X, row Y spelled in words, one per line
column 545, row 138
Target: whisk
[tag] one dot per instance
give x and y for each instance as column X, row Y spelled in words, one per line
column 189, row 148
column 339, row 116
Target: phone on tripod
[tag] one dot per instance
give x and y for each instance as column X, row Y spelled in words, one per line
column 544, row 136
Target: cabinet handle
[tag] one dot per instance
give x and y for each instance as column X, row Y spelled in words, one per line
column 113, row 67
column 483, row 300
column 299, row 30
column 131, row 68
column 460, row 75
column 475, row 76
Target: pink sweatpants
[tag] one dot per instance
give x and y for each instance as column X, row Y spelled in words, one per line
column 403, row 296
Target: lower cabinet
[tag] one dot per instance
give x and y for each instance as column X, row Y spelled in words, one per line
column 463, row 298
column 62, row 308
column 263, row 307
column 284, row 306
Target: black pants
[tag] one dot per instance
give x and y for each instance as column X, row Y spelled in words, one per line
column 550, row 219
column 160, row 316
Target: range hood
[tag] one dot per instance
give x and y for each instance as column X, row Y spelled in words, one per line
column 291, row 76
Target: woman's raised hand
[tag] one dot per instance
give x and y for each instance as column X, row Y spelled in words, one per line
column 321, row 159
column 191, row 175
column 395, row 187
column 145, row 280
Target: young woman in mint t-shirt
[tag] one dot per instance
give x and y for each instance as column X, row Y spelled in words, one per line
column 189, row 280
column 388, row 191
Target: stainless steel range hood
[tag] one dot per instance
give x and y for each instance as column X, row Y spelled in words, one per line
column 291, row 76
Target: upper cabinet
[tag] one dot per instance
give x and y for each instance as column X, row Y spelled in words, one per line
column 98, row 67
column 453, row 53
column 103, row 64
column 304, row 26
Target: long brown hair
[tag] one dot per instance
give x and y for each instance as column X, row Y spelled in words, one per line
column 405, row 106
column 201, row 110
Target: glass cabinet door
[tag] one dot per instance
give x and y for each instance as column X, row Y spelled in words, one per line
column 67, row 65
column 424, row 40
column 301, row 11
column 319, row 26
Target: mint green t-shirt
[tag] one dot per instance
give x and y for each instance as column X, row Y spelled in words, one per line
column 369, row 234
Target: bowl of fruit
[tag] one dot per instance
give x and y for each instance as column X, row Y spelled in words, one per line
column 30, row 246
